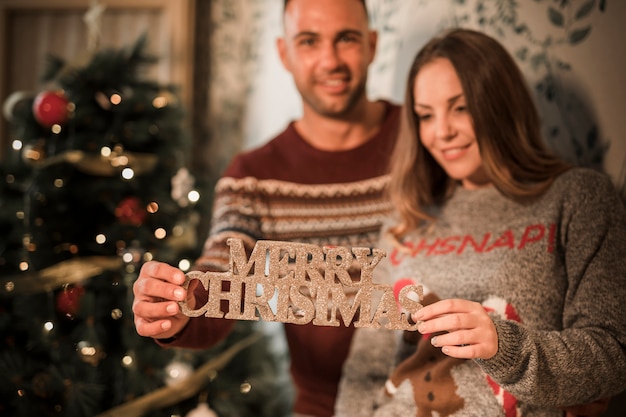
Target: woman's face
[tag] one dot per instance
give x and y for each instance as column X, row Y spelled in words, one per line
column 445, row 125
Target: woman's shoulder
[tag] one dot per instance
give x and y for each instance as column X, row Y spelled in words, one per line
column 584, row 179
column 588, row 187
column 579, row 173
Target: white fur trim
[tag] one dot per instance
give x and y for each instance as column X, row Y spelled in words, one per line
column 391, row 389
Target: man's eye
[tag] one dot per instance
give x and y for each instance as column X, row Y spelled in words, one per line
column 347, row 38
column 306, row 41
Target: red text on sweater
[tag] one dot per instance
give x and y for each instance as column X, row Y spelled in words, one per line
column 510, row 239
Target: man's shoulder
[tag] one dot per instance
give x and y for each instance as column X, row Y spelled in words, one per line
column 288, row 154
column 391, row 105
column 245, row 163
column 392, row 109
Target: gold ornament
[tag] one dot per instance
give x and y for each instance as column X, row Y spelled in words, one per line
column 67, row 272
column 104, row 165
column 170, row 395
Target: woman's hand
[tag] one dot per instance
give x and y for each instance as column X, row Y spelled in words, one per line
column 463, row 328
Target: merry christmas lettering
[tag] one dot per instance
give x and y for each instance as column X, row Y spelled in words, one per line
column 308, row 284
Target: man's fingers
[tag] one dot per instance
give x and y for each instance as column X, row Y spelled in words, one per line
column 151, row 310
column 155, row 288
column 151, row 328
column 163, row 272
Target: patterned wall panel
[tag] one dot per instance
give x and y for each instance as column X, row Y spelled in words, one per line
column 571, row 52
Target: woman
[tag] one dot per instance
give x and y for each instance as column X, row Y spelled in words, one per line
column 522, row 258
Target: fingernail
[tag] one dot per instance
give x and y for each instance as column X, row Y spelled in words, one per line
column 420, row 328
column 179, row 278
column 179, row 294
column 445, row 350
column 417, row 315
column 433, row 341
column 172, row 308
column 166, row 325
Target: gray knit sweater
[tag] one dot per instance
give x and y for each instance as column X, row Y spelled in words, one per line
column 551, row 273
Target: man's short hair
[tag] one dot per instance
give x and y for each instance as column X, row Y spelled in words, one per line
column 287, row 1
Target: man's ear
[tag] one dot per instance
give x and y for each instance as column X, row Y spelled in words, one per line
column 281, row 46
column 373, row 41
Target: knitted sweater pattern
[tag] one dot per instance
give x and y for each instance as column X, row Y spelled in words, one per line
column 552, row 274
column 288, row 190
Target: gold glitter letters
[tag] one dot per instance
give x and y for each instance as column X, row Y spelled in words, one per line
column 300, row 283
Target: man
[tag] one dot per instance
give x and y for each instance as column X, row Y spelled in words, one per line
column 320, row 181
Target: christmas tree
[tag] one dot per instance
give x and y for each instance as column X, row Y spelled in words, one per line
column 94, row 183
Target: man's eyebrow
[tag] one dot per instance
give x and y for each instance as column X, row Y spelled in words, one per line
column 305, row 34
column 351, row 32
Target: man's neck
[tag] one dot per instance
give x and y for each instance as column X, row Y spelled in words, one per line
column 341, row 134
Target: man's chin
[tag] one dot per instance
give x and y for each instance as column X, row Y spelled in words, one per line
column 335, row 106
column 334, row 110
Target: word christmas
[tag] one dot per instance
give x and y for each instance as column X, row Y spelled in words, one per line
column 308, row 283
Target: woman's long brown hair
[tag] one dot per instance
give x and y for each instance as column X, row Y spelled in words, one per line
column 505, row 121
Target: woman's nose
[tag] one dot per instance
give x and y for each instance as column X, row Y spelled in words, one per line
column 443, row 128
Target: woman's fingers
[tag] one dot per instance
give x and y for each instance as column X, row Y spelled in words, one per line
column 445, row 307
column 463, row 328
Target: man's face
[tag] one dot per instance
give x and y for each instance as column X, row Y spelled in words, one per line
column 327, row 47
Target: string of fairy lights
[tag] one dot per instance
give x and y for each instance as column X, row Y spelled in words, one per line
column 53, row 110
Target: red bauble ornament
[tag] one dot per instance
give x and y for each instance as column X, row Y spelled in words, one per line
column 50, row 108
column 68, row 300
column 130, row 211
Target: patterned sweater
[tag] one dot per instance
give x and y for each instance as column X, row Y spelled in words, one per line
column 287, row 190
column 553, row 276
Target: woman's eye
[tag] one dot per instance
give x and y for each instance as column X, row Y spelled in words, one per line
column 423, row 117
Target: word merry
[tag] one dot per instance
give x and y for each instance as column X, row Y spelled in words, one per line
column 309, row 284
column 532, row 234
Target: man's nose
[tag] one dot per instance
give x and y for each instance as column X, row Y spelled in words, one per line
column 330, row 56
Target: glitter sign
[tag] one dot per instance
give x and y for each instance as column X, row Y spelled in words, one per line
column 306, row 284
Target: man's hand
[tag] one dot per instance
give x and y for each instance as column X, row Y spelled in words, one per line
column 157, row 292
